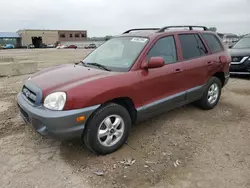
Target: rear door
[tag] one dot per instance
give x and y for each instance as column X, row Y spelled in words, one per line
column 195, row 62
column 162, row 88
column 216, row 52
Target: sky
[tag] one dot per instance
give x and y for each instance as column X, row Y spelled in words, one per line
column 112, row 17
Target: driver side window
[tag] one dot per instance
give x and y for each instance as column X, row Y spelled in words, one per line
column 166, row 48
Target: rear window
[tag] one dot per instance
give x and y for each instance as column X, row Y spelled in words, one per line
column 212, row 42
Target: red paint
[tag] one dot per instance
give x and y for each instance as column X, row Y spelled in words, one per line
column 89, row 86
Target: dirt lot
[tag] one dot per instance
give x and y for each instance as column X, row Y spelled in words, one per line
column 185, row 148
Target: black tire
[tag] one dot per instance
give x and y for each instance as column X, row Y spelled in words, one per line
column 204, row 102
column 90, row 137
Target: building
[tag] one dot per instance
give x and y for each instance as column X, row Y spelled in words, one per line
column 230, row 39
column 68, row 36
column 10, row 38
column 40, row 37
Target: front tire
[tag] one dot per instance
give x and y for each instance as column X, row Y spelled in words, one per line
column 107, row 129
column 211, row 94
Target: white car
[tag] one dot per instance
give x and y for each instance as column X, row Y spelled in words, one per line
column 61, row 46
column 50, row 45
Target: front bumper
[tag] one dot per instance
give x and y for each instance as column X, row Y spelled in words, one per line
column 61, row 125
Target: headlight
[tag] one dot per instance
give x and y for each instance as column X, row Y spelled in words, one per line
column 55, row 101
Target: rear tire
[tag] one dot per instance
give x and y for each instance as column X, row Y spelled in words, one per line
column 107, row 129
column 211, row 94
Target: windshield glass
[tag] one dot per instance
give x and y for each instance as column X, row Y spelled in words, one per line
column 118, row 54
column 243, row 43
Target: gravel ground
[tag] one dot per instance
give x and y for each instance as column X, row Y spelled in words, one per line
column 184, row 148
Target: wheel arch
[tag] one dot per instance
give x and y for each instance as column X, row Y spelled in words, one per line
column 128, row 104
column 221, row 77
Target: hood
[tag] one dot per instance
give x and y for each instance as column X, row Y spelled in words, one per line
column 66, row 76
column 239, row 52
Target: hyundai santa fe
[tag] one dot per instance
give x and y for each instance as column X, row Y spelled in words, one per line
column 131, row 77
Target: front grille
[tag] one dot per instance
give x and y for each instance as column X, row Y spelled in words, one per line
column 30, row 95
column 245, row 66
column 237, row 58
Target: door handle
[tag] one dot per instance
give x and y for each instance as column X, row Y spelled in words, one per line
column 178, row 70
column 209, row 63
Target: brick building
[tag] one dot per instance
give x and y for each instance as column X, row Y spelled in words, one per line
column 68, row 35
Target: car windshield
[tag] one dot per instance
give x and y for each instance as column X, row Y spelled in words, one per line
column 243, row 43
column 118, row 54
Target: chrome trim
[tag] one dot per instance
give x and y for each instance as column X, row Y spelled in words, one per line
column 242, row 61
column 240, row 73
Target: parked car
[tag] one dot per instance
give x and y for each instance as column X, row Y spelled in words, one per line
column 51, row 46
column 8, row 46
column 72, row 46
column 60, row 46
column 31, row 46
column 240, row 53
column 130, row 78
column 43, row 45
column 90, row 46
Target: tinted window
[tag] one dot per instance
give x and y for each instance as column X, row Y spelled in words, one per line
column 192, row 46
column 164, row 47
column 212, row 42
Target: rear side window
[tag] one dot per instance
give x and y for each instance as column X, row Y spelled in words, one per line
column 212, row 42
column 192, row 46
column 164, row 47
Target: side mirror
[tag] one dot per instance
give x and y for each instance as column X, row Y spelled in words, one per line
column 154, row 62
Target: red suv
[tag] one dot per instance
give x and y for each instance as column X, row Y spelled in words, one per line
column 129, row 78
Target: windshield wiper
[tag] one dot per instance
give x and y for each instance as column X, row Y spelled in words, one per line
column 84, row 64
column 98, row 65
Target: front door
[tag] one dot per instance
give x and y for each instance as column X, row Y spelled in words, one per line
column 162, row 88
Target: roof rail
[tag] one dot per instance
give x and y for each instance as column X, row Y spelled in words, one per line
column 140, row 29
column 189, row 26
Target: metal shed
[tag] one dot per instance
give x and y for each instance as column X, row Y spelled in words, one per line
column 10, row 38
